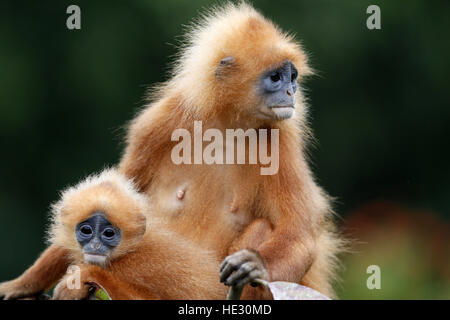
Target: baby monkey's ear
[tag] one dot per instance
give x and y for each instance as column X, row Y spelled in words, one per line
column 226, row 65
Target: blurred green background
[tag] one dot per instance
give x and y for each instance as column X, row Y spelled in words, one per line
column 380, row 112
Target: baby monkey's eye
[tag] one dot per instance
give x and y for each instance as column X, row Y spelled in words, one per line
column 109, row 233
column 275, row 77
column 86, row 230
column 293, row 76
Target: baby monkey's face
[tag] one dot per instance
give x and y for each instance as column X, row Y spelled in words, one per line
column 98, row 238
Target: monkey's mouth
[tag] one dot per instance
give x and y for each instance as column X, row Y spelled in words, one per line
column 283, row 112
column 282, row 107
column 93, row 258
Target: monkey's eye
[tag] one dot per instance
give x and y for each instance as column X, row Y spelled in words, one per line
column 109, row 233
column 294, row 76
column 86, row 230
column 275, row 77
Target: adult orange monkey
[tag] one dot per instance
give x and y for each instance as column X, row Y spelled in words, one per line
column 238, row 70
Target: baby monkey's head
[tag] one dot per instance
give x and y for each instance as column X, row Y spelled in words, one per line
column 100, row 219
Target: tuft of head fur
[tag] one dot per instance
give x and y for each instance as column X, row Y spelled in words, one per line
column 250, row 45
column 108, row 192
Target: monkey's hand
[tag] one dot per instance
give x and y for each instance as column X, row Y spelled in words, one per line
column 65, row 290
column 16, row 289
column 90, row 277
column 243, row 267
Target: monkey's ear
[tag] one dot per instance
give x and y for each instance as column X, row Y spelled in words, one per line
column 227, row 61
column 141, row 225
column 226, row 65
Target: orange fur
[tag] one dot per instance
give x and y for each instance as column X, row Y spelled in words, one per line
column 150, row 262
column 41, row 276
column 109, row 193
column 303, row 243
column 220, row 202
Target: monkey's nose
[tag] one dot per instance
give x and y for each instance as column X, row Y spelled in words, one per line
column 95, row 245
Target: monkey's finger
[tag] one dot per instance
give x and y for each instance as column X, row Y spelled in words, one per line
column 231, row 259
column 250, row 277
column 227, row 270
column 241, row 272
column 226, row 261
column 237, row 258
column 222, row 265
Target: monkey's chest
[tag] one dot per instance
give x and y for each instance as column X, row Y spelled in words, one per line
column 206, row 204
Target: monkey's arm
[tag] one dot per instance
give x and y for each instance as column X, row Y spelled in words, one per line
column 294, row 206
column 116, row 286
column 246, row 261
column 287, row 257
column 42, row 275
column 276, row 252
column 148, row 140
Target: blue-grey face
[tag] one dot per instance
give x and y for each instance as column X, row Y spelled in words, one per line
column 277, row 88
column 98, row 237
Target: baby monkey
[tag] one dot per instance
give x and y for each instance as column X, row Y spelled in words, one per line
column 110, row 234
